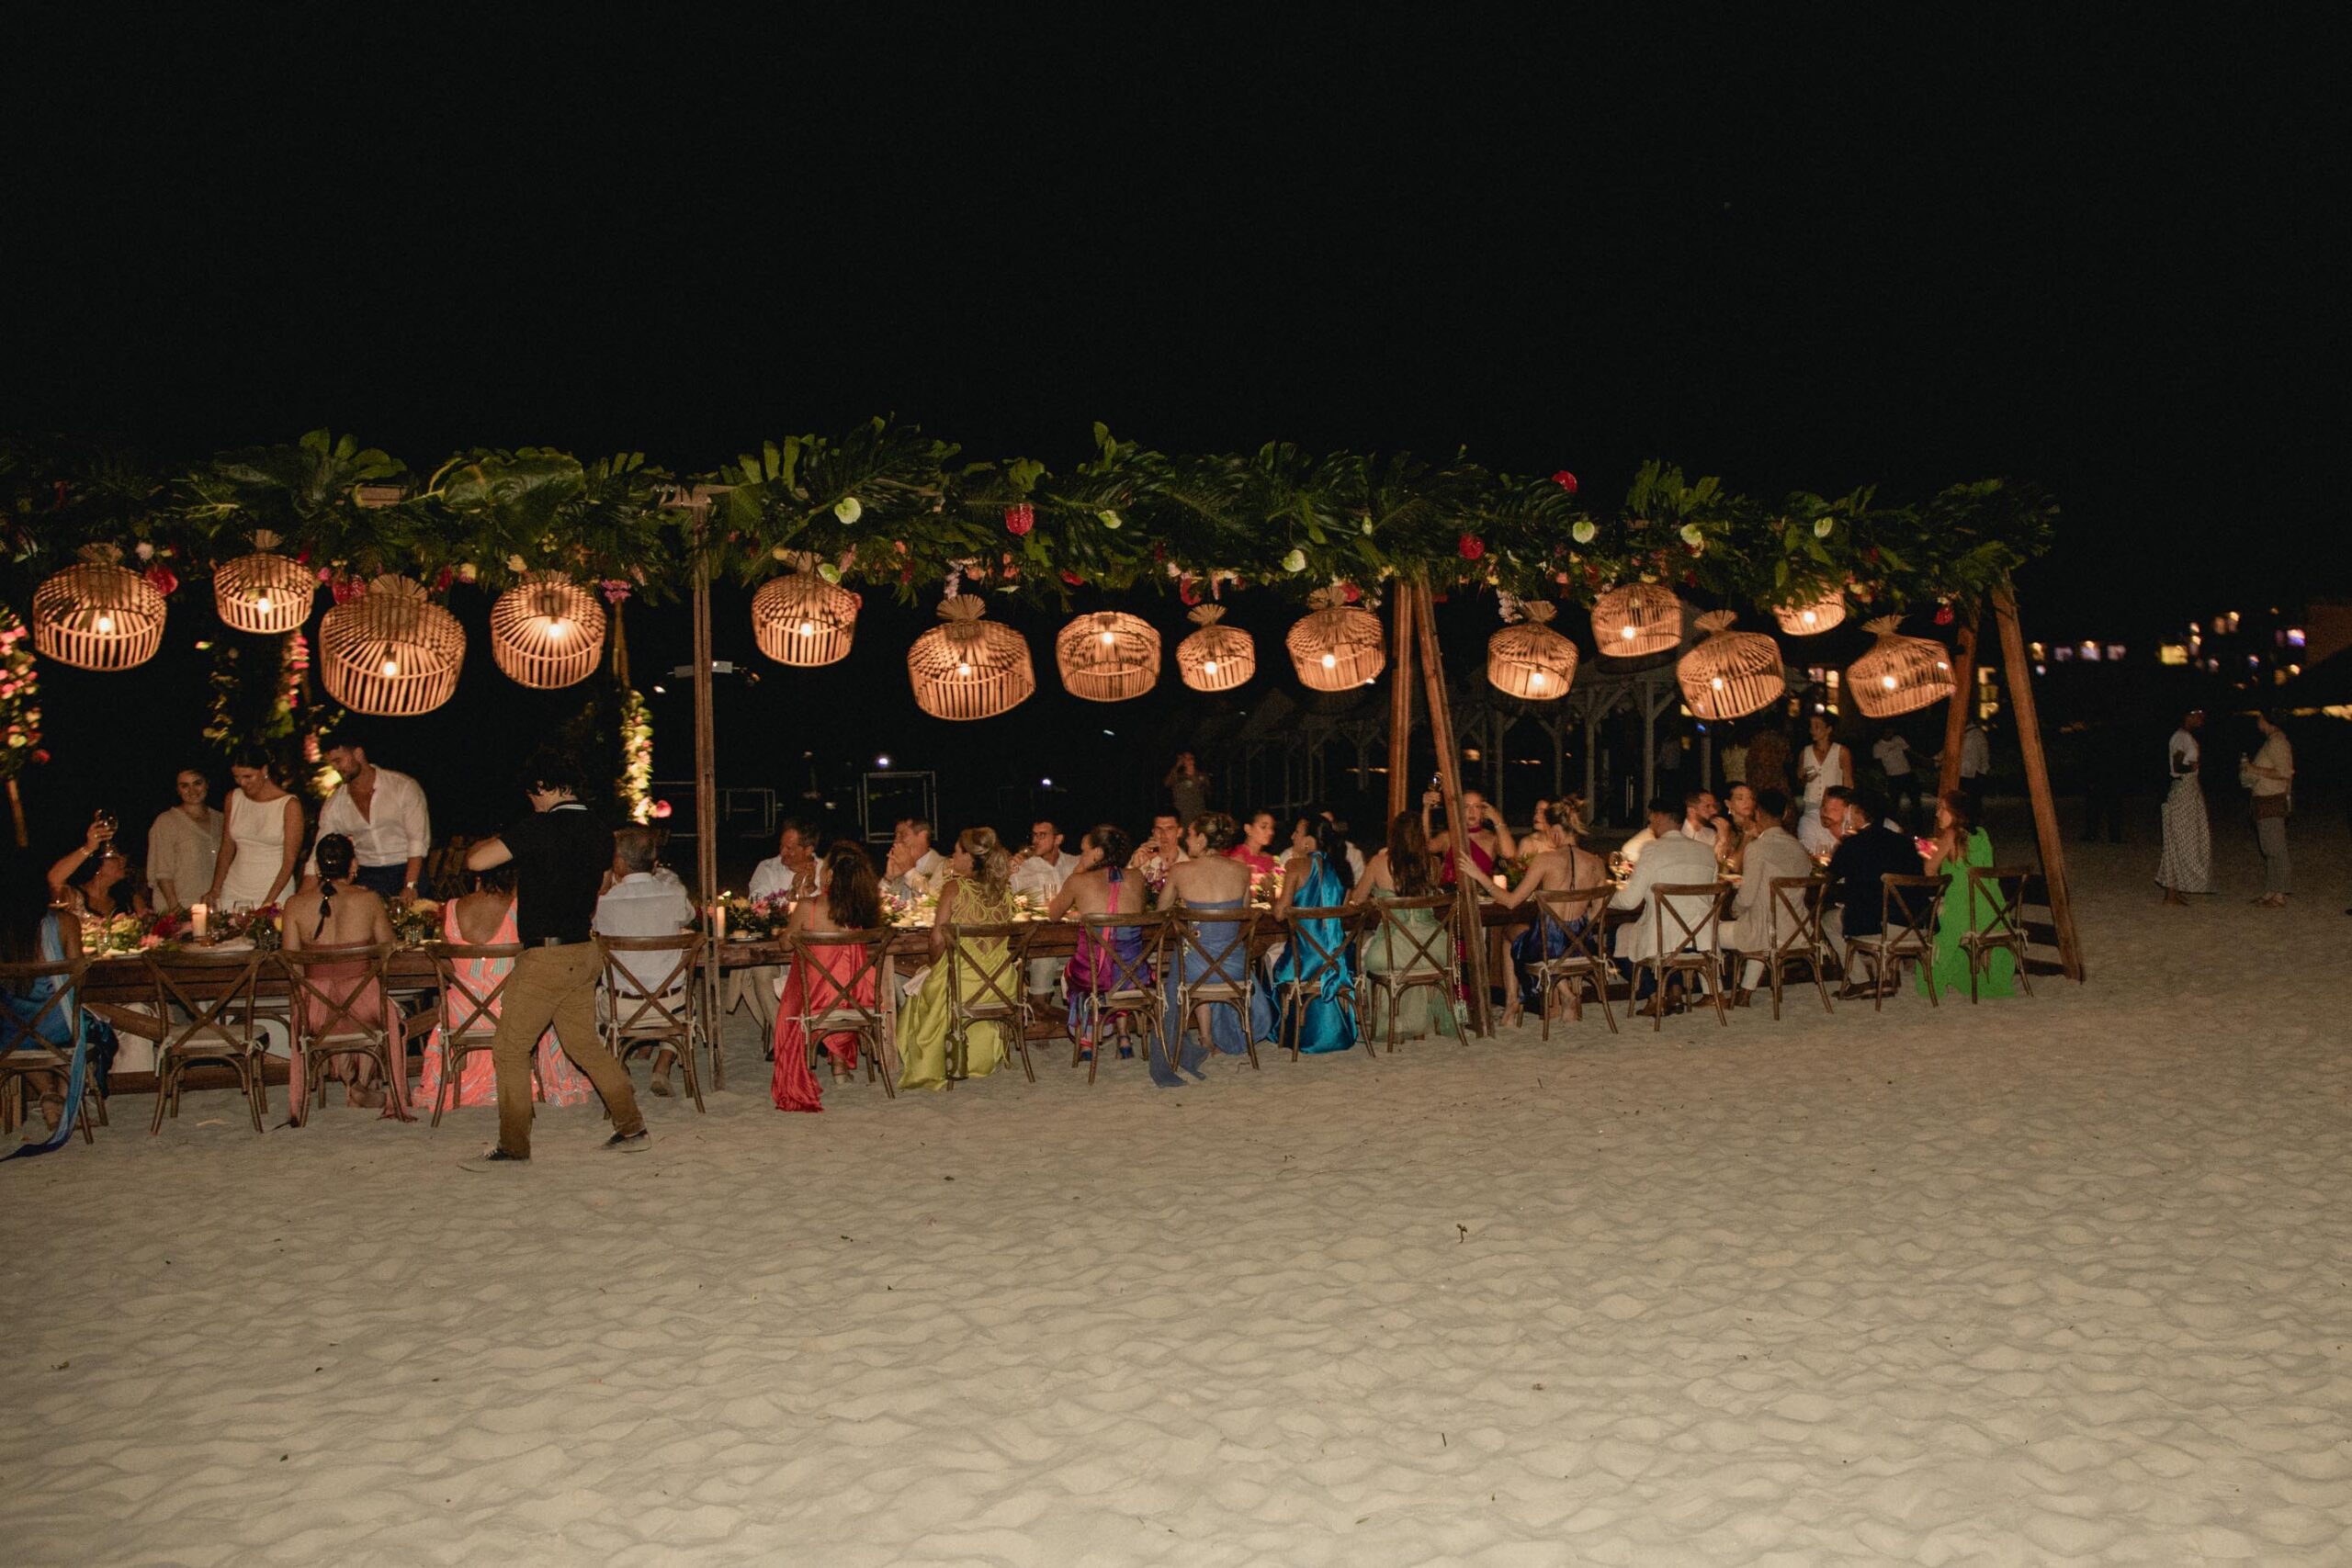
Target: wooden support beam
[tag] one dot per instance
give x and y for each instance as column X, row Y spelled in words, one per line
column 1963, row 693
column 1448, row 776
column 1400, row 706
column 706, row 774
column 2037, row 778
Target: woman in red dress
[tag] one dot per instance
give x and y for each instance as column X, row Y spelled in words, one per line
column 851, row 901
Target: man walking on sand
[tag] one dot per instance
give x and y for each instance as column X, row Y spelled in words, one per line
column 560, row 853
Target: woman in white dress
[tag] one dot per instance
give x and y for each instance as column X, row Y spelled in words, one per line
column 1821, row 764
column 263, row 839
column 2188, row 863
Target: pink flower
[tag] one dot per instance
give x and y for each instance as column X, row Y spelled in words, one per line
column 1471, row 546
column 616, row 590
column 346, row 589
column 1566, row 480
column 1020, row 518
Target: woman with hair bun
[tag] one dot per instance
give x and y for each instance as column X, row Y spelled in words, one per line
column 976, row 892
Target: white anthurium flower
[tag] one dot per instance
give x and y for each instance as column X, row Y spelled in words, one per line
column 1585, row 531
column 514, row 563
column 1693, row 535
column 1824, row 526
column 1294, row 562
column 848, row 509
column 829, row 571
column 1111, row 519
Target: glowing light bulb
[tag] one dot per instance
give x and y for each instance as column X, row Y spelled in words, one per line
column 1108, row 639
column 808, row 629
column 1330, row 661
column 1942, row 666
column 1535, row 679
column 261, row 604
column 1810, row 617
column 1209, row 667
column 555, row 628
column 391, row 666
column 1716, row 682
column 963, row 668
column 105, row 621
column 1887, row 681
column 1627, row 633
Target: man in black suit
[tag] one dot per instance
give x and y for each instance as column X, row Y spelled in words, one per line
column 1872, row 847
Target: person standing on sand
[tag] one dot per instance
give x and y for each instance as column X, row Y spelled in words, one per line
column 2187, row 865
column 2272, row 770
column 560, row 853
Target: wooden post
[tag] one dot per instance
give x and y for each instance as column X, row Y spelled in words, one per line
column 1449, row 775
column 1963, row 693
column 706, row 778
column 17, row 813
column 1400, row 706
column 2037, row 778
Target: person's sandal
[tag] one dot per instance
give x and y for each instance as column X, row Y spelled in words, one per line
column 629, row 1142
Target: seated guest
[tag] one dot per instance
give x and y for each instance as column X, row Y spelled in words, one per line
column 1316, row 877
column 34, row 929
column 1560, row 870
column 1739, row 808
column 914, row 868
column 1960, row 845
column 1870, row 847
column 1164, row 850
column 1254, row 850
column 976, row 889
column 1703, row 822
column 1038, row 872
column 1773, row 853
column 852, row 902
column 1208, row 880
column 331, row 909
column 1100, row 886
column 482, row 915
column 1545, row 829
column 1672, row 859
column 1488, row 841
column 1401, row 869
column 1835, row 815
column 93, row 878
column 1355, row 856
column 183, row 846
column 792, row 870
column 640, row 903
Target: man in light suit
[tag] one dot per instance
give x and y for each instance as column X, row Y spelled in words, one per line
column 1774, row 852
column 1670, row 860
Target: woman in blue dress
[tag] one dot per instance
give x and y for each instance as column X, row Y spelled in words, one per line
column 1316, row 877
column 1209, row 881
column 35, row 931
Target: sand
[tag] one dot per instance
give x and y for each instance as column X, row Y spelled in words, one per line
column 2066, row 1280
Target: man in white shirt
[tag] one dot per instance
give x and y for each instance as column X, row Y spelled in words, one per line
column 642, row 904
column 792, row 870
column 1975, row 751
column 1670, row 860
column 1703, row 822
column 1039, row 871
column 1893, row 755
column 383, row 814
column 914, row 866
column 1772, row 854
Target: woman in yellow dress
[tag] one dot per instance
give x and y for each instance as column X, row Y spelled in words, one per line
column 975, row 894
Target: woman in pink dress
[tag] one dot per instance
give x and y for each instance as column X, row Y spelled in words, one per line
column 328, row 913
column 852, row 901
column 1253, row 851
column 485, row 918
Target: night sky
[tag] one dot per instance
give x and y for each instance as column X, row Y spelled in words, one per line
column 2089, row 261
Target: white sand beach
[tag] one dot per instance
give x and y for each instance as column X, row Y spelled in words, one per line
column 2065, row 1280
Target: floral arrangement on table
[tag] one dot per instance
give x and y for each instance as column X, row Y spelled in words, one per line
column 260, row 926
column 1264, row 887
column 105, row 936
column 755, row 920
column 923, row 908
column 1511, row 871
column 415, row 923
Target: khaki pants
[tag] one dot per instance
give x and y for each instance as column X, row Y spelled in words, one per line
column 557, row 985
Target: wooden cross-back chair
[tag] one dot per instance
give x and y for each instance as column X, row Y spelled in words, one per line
column 1907, row 933
column 469, row 1019
column 1220, row 940
column 1999, row 892
column 829, row 1004
column 1130, row 988
column 24, row 1054
column 998, row 993
column 1430, row 960
column 328, row 1025
column 662, row 1013
column 1793, row 934
column 1312, row 959
column 1584, row 957
column 1685, row 945
column 216, row 991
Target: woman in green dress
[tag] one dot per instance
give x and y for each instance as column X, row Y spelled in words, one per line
column 1960, row 844
column 1402, row 870
column 976, row 894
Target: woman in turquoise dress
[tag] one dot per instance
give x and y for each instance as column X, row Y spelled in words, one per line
column 975, row 894
column 1316, row 877
column 35, row 931
column 1960, row 845
column 1210, row 882
column 1402, row 870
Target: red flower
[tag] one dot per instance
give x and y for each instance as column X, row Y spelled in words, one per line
column 1187, row 590
column 41, row 753
column 906, row 574
column 1870, row 554
column 1943, row 614
column 303, row 558
column 442, row 578
column 1566, row 480
column 1352, row 593
column 1020, row 518
column 346, row 589
column 162, row 580
column 1472, row 547
column 1072, row 578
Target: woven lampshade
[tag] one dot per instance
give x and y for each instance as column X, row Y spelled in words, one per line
column 801, row 619
column 391, row 652
column 1901, row 674
column 1108, row 655
column 1638, row 619
column 969, row 667
column 1815, row 615
column 1216, row 658
column 1339, row 646
column 1731, row 673
column 99, row 614
column 264, row 592
column 547, row 631
column 1529, row 659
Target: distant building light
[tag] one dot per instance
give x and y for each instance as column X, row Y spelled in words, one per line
column 2090, row 653
column 2294, row 636
column 2115, row 653
column 2172, row 653
column 2063, row 654
column 2040, row 652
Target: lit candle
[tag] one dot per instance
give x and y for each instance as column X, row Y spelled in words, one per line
column 719, row 921
column 200, row 916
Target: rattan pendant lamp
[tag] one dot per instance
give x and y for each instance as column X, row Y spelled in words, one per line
column 1529, row 658
column 969, row 667
column 1730, row 674
column 99, row 614
column 392, row 652
column 1901, row 674
column 1636, row 620
column 1337, row 647
column 1216, row 658
column 1813, row 615
column 547, row 631
column 266, row 593
column 802, row 620
column 1108, row 655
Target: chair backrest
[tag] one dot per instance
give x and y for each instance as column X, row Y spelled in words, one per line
column 1997, row 899
column 1426, row 949
column 1792, row 919
column 1318, row 938
column 1219, row 939
column 998, row 990
column 1574, row 912
column 20, row 1031
column 1100, row 934
column 466, row 1013
column 662, row 1006
column 209, row 987
column 825, row 993
column 334, row 1015
column 1908, row 903
column 1687, row 914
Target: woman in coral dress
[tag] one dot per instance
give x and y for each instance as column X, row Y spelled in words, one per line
column 485, row 918
column 852, row 901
